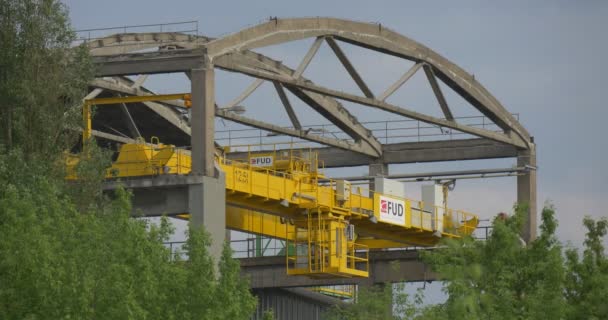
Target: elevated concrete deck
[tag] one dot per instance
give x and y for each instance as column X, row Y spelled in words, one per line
column 384, row 266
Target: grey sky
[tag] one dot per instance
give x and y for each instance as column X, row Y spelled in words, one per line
column 543, row 60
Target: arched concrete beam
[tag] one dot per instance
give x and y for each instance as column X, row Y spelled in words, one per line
column 374, row 37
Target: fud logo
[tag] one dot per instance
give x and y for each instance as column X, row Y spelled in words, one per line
column 263, row 161
column 391, row 207
column 392, row 210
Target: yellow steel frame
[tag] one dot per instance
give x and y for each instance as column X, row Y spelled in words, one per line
column 244, row 182
column 86, row 107
column 255, row 222
column 339, row 291
column 327, row 250
column 269, row 200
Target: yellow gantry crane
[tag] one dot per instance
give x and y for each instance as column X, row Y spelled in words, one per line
column 328, row 225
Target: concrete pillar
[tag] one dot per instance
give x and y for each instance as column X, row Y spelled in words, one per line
column 203, row 120
column 377, row 170
column 206, row 200
column 526, row 191
column 207, row 207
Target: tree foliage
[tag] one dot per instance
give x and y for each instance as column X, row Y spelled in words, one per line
column 61, row 260
column 372, row 303
column 62, row 263
column 587, row 276
column 503, row 278
column 42, row 79
column 67, row 251
column 377, row 302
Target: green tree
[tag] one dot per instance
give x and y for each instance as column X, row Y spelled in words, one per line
column 268, row 315
column 61, row 263
column 372, row 303
column 502, row 278
column 67, row 250
column 386, row 301
column 587, row 276
column 42, row 78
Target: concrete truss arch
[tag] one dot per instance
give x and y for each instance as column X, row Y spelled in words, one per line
column 234, row 53
column 379, row 38
column 122, row 46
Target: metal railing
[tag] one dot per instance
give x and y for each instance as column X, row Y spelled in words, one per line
column 390, row 131
column 344, row 291
column 243, row 248
column 185, row 27
column 257, row 246
column 250, row 247
column 243, row 177
column 177, row 250
column 153, row 159
column 483, row 232
column 324, row 248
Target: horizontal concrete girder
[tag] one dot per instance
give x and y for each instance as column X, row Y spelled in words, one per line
column 148, row 62
column 129, row 42
column 385, row 267
column 412, row 152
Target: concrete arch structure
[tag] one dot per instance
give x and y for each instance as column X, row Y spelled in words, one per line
column 197, row 56
column 123, row 46
column 233, row 53
column 378, row 38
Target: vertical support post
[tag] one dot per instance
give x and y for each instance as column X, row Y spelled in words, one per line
column 87, row 122
column 258, row 246
column 526, row 191
column 206, row 197
column 203, row 120
column 378, row 169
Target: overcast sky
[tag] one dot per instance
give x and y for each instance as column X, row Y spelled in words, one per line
column 544, row 60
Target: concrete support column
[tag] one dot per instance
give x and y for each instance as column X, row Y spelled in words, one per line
column 377, row 170
column 203, row 120
column 526, row 191
column 206, row 200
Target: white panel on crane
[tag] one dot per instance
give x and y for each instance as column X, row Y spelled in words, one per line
column 343, row 188
column 389, row 187
column 434, row 206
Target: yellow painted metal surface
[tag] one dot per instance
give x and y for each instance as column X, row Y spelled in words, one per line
column 259, row 223
column 87, row 104
column 287, row 194
column 347, row 291
column 280, row 196
column 139, row 159
column 374, row 243
column 132, row 99
column 326, row 249
column 142, row 159
column 254, row 222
